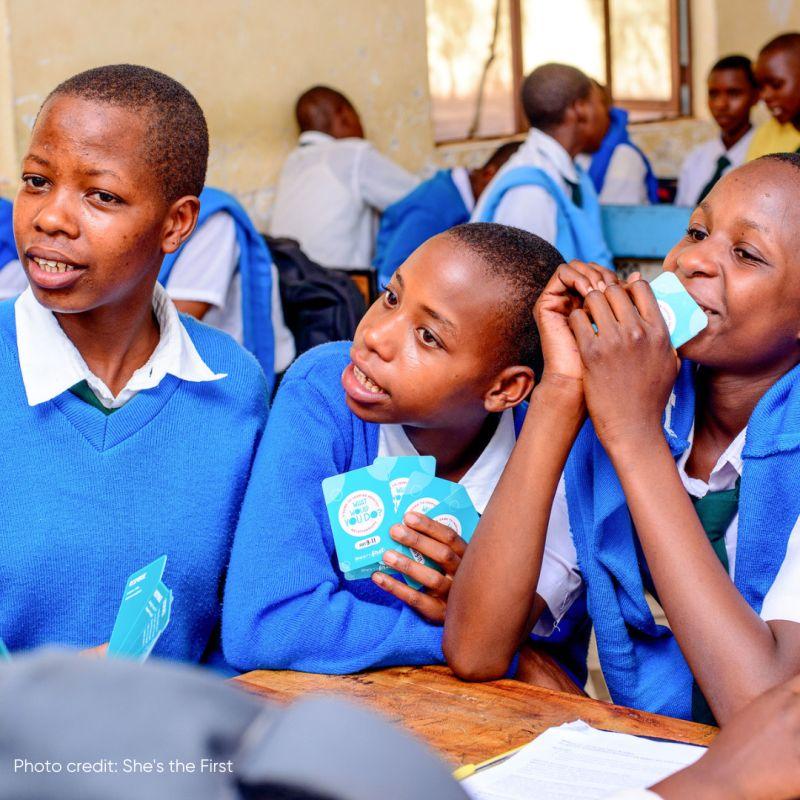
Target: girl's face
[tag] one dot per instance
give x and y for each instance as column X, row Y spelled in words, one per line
column 740, row 260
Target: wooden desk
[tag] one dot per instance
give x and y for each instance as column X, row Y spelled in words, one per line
column 469, row 722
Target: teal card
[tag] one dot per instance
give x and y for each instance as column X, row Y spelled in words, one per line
column 684, row 318
column 4, row 654
column 361, row 511
column 143, row 614
column 367, row 572
column 400, row 468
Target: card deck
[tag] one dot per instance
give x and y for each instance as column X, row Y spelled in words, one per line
column 684, row 318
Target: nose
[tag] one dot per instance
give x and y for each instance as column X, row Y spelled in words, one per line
column 698, row 260
column 380, row 333
column 57, row 215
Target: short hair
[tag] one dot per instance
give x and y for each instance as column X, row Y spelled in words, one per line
column 792, row 159
column 786, row 41
column 550, row 90
column 739, row 62
column 525, row 263
column 315, row 108
column 502, row 154
column 176, row 142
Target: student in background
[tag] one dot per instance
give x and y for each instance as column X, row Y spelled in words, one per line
column 13, row 280
column 436, row 368
column 620, row 171
column 683, row 483
column 732, row 93
column 777, row 71
column 334, row 183
column 224, row 275
column 541, row 189
column 444, row 201
column 129, row 431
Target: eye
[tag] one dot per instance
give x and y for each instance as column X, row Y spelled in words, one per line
column 746, row 255
column 696, row 234
column 427, row 338
column 34, row 181
column 105, row 197
column 390, row 298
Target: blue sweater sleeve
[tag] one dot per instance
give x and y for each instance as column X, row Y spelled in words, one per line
column 286, row 605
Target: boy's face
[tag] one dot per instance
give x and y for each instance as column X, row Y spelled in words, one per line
column 91, row 202
column 778, row 76
column 425, row 353
column 730, row 98
column 740, row 262
column 597, row 119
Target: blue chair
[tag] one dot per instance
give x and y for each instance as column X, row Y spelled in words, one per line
column 643, row 232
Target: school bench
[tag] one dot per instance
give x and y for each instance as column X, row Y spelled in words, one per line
column 468, row 723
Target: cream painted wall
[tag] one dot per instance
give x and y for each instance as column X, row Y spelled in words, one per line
column 245, row 60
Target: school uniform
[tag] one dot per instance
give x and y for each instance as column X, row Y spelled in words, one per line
column 96, row 485
column 13, row 280
column 757, row 539
column 620, row 171
column 706, row 164
column 773, row 137
column 244, row 306
column 328, row 195
column 207, row 271
column 443, row 201
column 287, row 604
column 540, row 189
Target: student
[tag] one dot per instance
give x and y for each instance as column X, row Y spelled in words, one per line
column 713, row 497
column 732, row 93
column 128, row 431
column 333, row 184
column 12, row 276
column 444, row 201
column 435, row 368
column 541, row 189
column 620, row 171
column 778, row 74
column 204, row 279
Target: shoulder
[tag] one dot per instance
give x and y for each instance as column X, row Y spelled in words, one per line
column 626, row 156
column 8, row 331
column 322, row 366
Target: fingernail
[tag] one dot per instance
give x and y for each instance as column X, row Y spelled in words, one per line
column 398, row 532
column 411, row 518
column 377, row 577
column 601, row 286
column 390, row 557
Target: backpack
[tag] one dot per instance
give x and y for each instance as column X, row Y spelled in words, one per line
column 319, row 305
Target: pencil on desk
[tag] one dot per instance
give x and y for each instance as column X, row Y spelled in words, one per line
column 470, row 769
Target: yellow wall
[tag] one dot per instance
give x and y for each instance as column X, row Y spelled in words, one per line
column 247, row 60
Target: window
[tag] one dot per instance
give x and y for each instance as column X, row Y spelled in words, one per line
column 480, row 50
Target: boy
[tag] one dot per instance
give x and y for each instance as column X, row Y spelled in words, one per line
column 435, row 368
column 732, row 93
column 778, row 75
column 703, row 512
column 444, row 201
column 541, row 189
column 620, row 171
column 129, row 432
column 205, row 280
column 333, row 183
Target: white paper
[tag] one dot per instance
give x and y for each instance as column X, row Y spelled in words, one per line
column 578, row 762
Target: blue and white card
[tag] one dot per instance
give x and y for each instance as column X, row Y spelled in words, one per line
column 684, row 318
column 143, row 614
column 4, row 654
column 400, row 468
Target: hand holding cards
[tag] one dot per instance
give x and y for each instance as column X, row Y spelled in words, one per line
column 364, row 504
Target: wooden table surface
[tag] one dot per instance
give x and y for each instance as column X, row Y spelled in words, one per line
column 469, row 722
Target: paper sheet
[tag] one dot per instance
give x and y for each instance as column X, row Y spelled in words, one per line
column 578, row 762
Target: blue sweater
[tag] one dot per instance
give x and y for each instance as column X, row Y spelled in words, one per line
column 89, row 498
column 433, row 207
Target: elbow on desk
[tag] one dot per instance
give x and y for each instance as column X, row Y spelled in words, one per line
column 471, row 665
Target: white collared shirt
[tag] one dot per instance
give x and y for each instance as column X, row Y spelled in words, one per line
column 701, row 164
column 531, row 207
column 625, row 183
column 782, row 600
column 328, row 194
column 480, row 481
column 51, row 364
column 13, row 280
column 460, row 177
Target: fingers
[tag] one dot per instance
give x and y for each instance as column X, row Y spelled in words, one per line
column 428, row 606
column 434, row 581
column 597, row 306
column 583, row 278
column 621, row 305
column 443, row 554
column 436, row 530
column 646, row 303
column 582, row 330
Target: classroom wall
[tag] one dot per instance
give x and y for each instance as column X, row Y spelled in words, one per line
column 247, row 60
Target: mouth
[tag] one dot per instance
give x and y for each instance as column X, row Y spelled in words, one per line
column 360, row 387
column 51, row 270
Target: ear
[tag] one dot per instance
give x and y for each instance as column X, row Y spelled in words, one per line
column 509, row 388
column 179, row 223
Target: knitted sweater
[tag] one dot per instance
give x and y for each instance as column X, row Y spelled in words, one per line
column 89, row 498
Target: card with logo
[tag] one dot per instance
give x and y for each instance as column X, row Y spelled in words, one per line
column 684, row 318
column 400, row 468
column 361, row 511
column 143, row 614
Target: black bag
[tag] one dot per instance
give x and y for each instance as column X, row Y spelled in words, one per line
column 319, row 305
